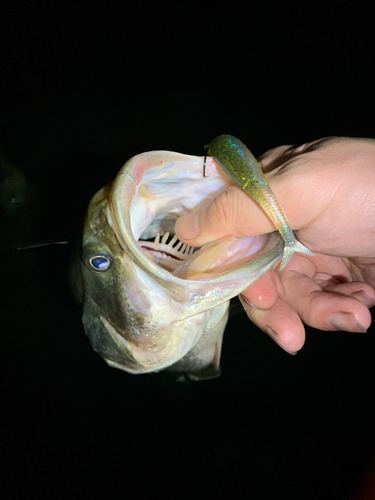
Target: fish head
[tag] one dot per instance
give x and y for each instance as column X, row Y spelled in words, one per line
column 150, row 301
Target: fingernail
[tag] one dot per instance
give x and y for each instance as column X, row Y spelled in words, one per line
column 363, row 297
column 276, row 339
column 345, row 322
column 248, row 301
column 187, row 226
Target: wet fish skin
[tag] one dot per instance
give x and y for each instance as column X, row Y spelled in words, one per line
column 138, row 316
column 239, row 163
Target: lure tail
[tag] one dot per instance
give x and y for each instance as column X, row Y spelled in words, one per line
column 289, row 251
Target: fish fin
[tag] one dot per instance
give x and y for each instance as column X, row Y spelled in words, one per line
column 289, row 251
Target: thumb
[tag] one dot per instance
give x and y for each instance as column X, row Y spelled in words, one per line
column 231, row 213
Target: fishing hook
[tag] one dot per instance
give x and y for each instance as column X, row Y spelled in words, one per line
column 204, row 165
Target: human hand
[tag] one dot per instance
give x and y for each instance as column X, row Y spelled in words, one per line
column 327, row 190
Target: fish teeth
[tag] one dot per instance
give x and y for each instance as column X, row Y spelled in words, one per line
column 164, row 239
column 191, row 250
column 157, row 239
column 177, row 247
column 173, row 240
column 187, row 250
column 183, row 248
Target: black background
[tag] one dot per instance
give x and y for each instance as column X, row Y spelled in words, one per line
column 83, row 87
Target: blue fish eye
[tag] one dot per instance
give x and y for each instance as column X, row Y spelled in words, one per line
column 100, row 262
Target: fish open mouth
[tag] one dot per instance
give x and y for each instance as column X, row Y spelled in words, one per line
column 148, row 196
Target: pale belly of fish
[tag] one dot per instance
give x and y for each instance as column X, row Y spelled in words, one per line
column 150, row 302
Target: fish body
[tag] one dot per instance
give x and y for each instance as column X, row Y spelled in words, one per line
column 149, row 302
column 239, row 163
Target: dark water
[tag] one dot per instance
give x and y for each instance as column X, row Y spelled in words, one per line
column 82, row 90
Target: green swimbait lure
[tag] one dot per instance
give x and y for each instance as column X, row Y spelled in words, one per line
column 239, row 164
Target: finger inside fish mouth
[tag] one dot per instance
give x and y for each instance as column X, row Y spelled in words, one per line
column 160, row 245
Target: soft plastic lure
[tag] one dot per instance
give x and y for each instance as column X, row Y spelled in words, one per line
column 239, row 164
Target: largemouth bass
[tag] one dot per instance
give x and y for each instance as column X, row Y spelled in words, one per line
column 149, row 301
column 239, row 163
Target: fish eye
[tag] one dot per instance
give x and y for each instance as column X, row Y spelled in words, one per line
column 99, row 262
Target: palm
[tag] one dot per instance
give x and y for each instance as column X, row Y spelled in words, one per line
column 313, row 290
column 361, row 269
